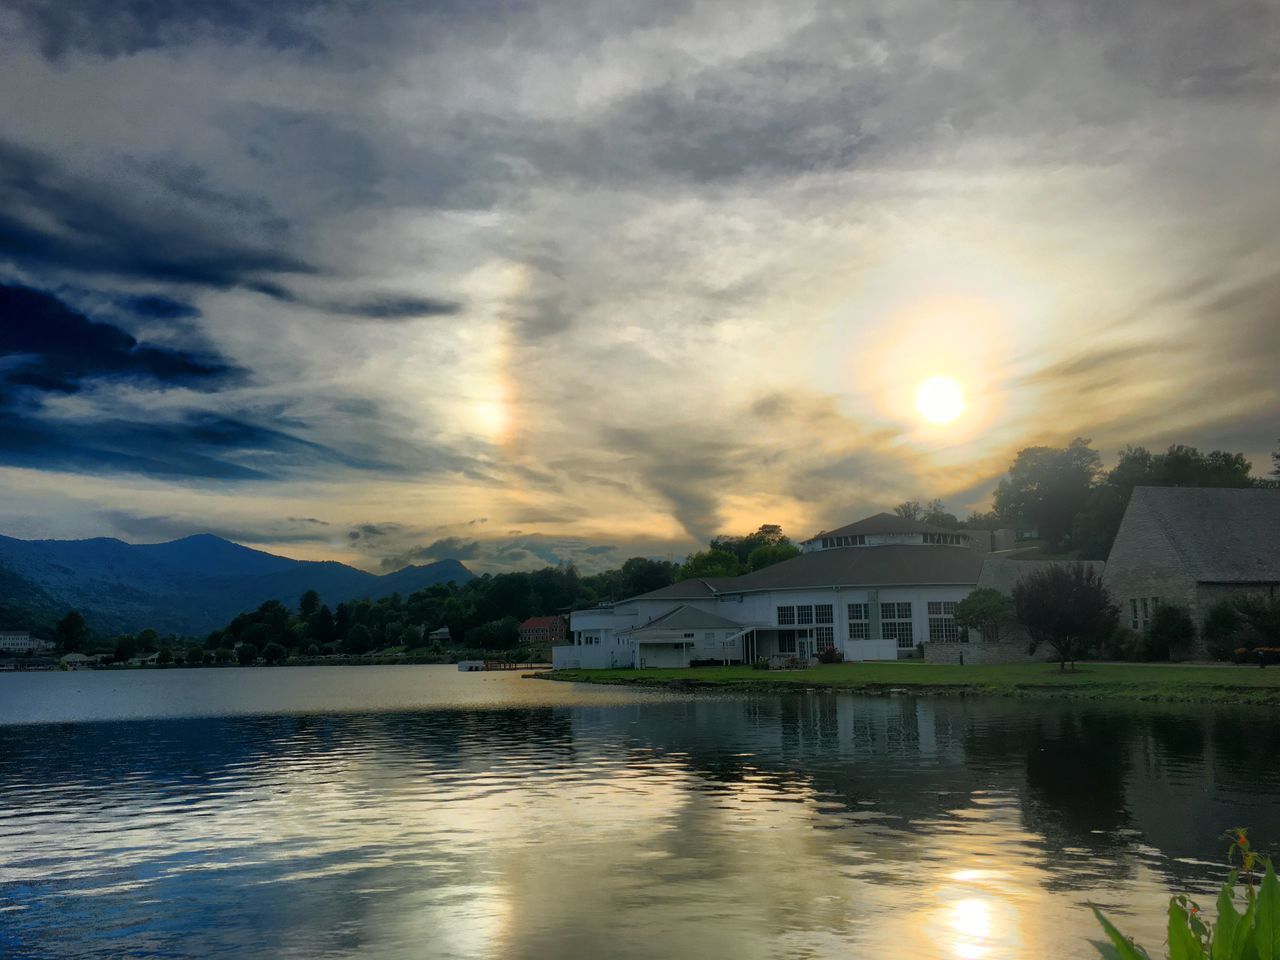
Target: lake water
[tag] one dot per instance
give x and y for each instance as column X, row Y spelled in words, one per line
column 418, row 812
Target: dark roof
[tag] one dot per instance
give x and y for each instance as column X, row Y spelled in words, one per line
column 892, row 564
column 1003, row 573
column 687, row 590
column 685, row 617
column 1223, row 535
column 884, row 523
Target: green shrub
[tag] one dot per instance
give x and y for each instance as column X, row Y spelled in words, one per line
column 760, row 664
column 830, row 655
column 1253, row 934
column 1171, row 634
column 1223, row 630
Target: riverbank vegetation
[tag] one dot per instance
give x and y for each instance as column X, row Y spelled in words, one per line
column 1249, row 934
column 1091, row 680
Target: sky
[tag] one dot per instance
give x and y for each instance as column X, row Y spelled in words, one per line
column 522, row 283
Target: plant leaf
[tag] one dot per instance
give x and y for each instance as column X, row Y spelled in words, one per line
column 1183, row 944
column 1266, row 921
column 1225, row 929
column 1125, row 948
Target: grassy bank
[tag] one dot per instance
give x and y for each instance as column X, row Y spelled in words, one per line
column 1128, row 681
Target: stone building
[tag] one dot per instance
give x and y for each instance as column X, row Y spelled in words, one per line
column 1194, row 547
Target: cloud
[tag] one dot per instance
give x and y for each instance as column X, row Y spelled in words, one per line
column 447, row 548
column 183, row 232
column 148, row 528
column 46, row 345
column 116, row 29
column 158, row 307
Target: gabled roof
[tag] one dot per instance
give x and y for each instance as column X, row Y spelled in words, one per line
column 534, row 623
column 1224, row 535
column 687, row 590
column 1003, row 574
column 685, row 617
column 883, row 523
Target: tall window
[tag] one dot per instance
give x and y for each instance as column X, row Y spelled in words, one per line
column 786, row 641
column 858, row 627
column 942, row 622
column 786, row 615
column 804, row 614
column 1134, row 622
column 823, row 613
column 826, row 637
column 895, row 624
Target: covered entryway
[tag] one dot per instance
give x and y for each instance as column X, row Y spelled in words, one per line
column 661, row 655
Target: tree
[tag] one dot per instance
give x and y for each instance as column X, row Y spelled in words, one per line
column 195, row 655
column 358, row 640
column 273, row 653
column 495, row 635
column 148, row 640
column 1067, row 607
column 1275, row 462
column 72, row 632
column 308, row 605
column 246, row 654
column 767, row 554
column 1261, row 613
column 164, row 657
column 1222, row 630
column 985, row 610
column 710, row 563
column 641, row 575
column 126, row 648
column 909, row 510
column 936, row 513
column 321, row 626
column 1171, row 634
column 769, row 534
column 1047, row 487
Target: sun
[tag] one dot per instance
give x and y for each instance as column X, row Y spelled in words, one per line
column 940, row 399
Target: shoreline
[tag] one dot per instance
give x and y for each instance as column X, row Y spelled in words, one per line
column 1155, row 683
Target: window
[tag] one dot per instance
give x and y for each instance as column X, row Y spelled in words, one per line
column 1146, row 611
column 828, row 543
column 688, row 636
column 823, row 613
column 804, row 614
column 709, row 637
column 942, row 623
column 858, row 627
column 899, row 630
column 786, row 615
column 826, row 637
column 949, row 538
column 895, row 611
column 1134, row 622
column 786, row 641
column 895, row 624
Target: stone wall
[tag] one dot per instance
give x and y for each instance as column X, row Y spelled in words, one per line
column 981, row 653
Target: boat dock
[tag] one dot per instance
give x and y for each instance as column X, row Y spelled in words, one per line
column 477, row 666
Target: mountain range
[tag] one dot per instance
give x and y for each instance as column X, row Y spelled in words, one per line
column 187, row 586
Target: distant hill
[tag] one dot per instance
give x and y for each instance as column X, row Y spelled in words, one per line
column 188, row 586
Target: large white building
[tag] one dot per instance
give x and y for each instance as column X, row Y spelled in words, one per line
column 21, row 642
column 874, row 589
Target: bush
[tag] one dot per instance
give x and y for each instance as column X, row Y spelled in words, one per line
column 760, row 664
column 1223, row 631
column 273, row 653
column 830, row 655
column 246, row 654
column 1171, row 634
column 1124, row 644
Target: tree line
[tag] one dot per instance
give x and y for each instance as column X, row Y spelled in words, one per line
column 1065, row 497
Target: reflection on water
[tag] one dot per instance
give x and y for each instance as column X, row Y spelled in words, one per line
column 542, row 820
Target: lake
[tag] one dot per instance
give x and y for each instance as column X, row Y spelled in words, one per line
column 411, row 812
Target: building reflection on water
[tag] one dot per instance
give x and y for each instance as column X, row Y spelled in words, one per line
column 819, row 825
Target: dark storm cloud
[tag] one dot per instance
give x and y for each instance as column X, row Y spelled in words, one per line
column 373, row 531
column 393, row 308
column 48, row 346
column 196, row 445
column 157, row 307
column 143, row 228
column 117, row 28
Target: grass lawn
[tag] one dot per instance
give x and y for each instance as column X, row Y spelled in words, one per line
column 1135, row 681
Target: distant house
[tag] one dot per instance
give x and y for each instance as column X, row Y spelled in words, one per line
column 145, row 659
column 439, row 635
column 548, row 630
column 1194, row 547
column 78, row 661
column 20, row 642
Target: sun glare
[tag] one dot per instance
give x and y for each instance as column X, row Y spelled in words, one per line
column 940, row 399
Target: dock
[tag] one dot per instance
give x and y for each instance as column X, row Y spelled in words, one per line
column 477, row 666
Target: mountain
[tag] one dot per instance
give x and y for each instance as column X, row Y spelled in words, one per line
column 188, row 586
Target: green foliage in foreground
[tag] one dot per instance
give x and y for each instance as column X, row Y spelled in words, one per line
column 1253, row 934
column 1091, row 681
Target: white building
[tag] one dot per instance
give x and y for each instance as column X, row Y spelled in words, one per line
column 875, row 589
column 21, row 642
